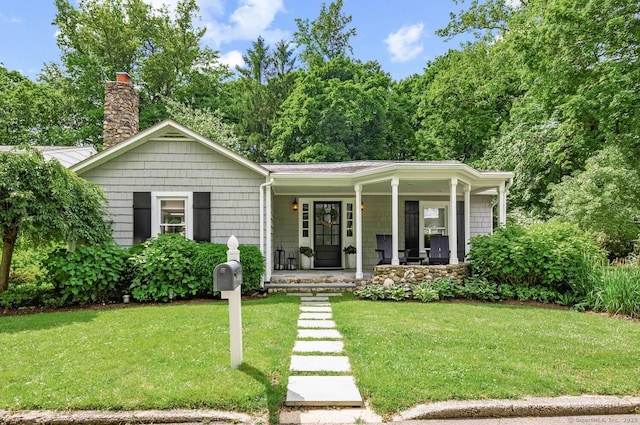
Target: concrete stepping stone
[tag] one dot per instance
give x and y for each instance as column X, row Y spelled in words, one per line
column 318, row 347
column 320, row 364
column 314, row 304
column 319, row 334
column 326, row 324
column 314, row 299
column 313, row 309
column 329, row 294
column 315, row 316
column 323, row 391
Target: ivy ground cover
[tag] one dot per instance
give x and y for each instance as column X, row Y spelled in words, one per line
column 170, row 356
column 404, row 354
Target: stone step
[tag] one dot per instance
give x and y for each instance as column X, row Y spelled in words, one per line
column 315, row 299
column 323, row 391
column 314, row 324
column 315, row 316
column 318, row 347
column 319, row 334
column 313, row 309
column 320, row 364
column 314, row 304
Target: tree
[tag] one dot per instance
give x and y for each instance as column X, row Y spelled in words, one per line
column 604, row 199
column 327, row 37
column 31, row 112
column 340, row 110
column 265, row 82
column 45, row 201
column 158, row 48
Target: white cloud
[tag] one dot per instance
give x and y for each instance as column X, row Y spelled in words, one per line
column 513, row 3
column 231, row 59
column 249, row 20
column 405, row 44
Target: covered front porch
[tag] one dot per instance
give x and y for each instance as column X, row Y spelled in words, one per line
column 329, row 207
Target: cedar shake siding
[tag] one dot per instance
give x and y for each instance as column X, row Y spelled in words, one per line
column 224, row 190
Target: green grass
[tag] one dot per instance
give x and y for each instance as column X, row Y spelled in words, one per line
column 173, row 356
column 403, row 354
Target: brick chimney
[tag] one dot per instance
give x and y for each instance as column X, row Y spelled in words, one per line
column 120, row 110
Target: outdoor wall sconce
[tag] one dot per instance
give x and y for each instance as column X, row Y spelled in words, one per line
column 362, row 207
column 294, row 206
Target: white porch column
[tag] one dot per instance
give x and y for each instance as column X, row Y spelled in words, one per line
column 453, row 224
column 394, row 221
column 358, row 210
column 502, row 205
column 269, row 249
column 467, row 217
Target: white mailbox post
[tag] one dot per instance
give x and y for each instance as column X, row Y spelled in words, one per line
column 227, row 278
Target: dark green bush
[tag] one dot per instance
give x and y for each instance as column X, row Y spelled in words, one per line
column 26, row 295
column 209, row 255
column 551, row 255
column 90, row 274
column 164, row 269
column 479, row 288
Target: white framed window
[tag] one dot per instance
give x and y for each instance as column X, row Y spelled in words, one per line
column 434, row 218
column 172, row 212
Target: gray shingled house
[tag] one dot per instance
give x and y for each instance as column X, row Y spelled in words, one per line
column 169, row 179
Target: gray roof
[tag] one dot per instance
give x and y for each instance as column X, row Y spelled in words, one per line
column 342, row 167
column 66, row 155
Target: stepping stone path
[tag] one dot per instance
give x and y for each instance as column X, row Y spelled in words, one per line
column 324, row 378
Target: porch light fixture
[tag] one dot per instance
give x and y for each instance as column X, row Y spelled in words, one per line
column 294, row 206
column 362, row 207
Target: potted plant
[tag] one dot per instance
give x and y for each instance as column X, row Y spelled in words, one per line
column 350, row 252
column 305, row 257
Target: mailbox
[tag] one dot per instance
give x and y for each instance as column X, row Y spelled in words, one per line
column 227, row 276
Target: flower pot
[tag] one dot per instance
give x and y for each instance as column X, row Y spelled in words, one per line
column 351, row 261
column 305, row 262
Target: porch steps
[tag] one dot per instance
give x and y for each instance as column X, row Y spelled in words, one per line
column 319, row 350
column 339, row 287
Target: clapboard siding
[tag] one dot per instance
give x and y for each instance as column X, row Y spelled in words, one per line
column 182, row 166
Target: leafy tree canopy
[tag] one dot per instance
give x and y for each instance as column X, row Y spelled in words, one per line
column 47, row 202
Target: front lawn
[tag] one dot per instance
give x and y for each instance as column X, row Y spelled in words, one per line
column 404, row 354
column 172, row 356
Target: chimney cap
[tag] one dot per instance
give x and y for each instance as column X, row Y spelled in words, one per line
column 123, row 77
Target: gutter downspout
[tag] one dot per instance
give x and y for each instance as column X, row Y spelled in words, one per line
column 267, row 258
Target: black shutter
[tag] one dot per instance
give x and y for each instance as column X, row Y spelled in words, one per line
column 460, row 228
column 202, row 216
column 141, row 216
column 412, row 228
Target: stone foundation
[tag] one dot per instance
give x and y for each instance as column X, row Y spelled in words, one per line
column 418, row 274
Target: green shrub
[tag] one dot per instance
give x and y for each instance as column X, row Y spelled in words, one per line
column 163, row 270
column 615, row 290
column 90, row 274
column 479, row 288
column 209, row 255
column 371, row 292
column 26, row 295
column 446, row 287
column 552, row 255
column 425, row 292
column 398, row 292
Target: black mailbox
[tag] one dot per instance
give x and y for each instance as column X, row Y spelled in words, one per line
column 227, row 276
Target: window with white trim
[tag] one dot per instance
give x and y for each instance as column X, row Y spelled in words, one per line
column 435, row 218
column 172, row 212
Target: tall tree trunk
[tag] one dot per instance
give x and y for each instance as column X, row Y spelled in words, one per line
column 9, row 237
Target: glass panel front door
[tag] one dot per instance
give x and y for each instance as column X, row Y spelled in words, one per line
column 327, row 235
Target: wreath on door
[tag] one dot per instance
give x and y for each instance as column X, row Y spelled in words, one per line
column 328, row 216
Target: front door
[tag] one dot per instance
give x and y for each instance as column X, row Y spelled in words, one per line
column 327, row 235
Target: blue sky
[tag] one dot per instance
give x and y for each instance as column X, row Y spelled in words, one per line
column 399, row 34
